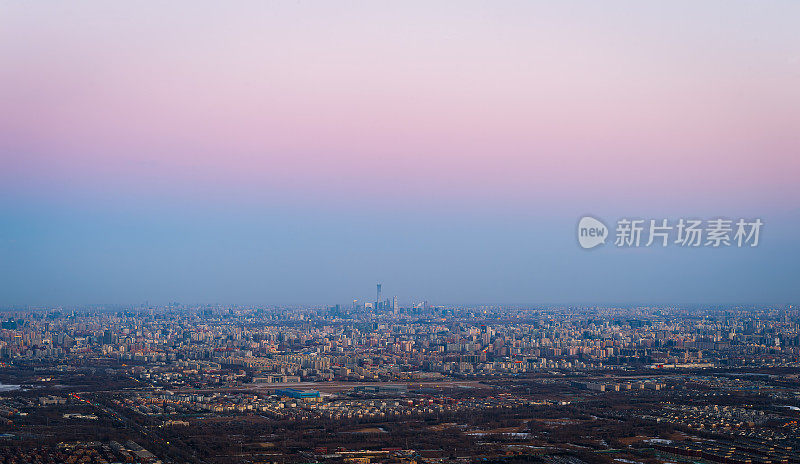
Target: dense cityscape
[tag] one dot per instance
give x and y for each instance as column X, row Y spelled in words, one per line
column 380, row 382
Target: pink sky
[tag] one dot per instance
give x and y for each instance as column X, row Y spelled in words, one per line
column 298, row 152
column 515, row 101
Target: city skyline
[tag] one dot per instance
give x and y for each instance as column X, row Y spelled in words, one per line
column 414, row 232
column 419, row 385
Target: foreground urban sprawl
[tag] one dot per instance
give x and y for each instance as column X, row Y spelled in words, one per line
column 380, row 383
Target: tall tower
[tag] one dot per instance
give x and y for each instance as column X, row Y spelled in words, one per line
column 378, row 298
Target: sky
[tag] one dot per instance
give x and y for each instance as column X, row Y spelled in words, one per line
column 299, row 152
